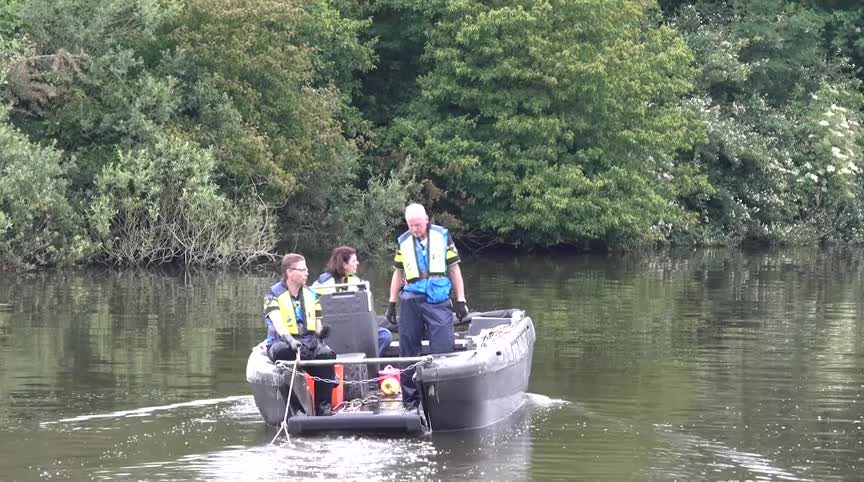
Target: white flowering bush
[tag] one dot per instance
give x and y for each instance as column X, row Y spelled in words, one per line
column 829, row 177
column 783, row 149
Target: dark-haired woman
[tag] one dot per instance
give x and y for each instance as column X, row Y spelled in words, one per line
column 341, row 269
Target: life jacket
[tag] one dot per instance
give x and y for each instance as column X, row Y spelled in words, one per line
column 436, row 254
column 328, row 280
column 308, row 301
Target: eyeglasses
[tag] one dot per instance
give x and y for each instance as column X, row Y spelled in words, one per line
column 298, row 269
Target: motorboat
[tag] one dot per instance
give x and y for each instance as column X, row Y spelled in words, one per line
column 480, row 383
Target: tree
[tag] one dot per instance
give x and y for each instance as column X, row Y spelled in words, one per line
column 10, row 24
column 771, row 134
column 85, row 79
column 262, row 89
column 547, row 122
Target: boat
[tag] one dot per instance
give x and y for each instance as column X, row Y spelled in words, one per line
column 480, row 383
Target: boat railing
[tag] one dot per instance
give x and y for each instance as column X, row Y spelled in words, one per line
column 355, row 361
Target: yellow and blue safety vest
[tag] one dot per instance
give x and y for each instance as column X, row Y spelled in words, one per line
column 323, row 286
column 299, row 314
column 425, row 267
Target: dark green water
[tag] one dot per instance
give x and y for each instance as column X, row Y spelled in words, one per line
column 706, row 365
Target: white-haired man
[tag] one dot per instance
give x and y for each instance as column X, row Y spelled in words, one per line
column 427, row 260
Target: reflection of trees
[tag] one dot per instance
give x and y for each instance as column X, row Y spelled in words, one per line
column 780, row 342
column 130, row 335
column 742, row 338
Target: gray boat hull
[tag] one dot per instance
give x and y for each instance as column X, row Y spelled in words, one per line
column 480, row 387
column 473, row 388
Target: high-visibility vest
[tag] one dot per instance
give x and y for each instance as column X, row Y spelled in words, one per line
column 308, row 301
column 436, row 254
column 327, row 280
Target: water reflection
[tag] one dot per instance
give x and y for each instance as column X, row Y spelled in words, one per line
column 713, row 459
column 709, row 365
column 503, row 451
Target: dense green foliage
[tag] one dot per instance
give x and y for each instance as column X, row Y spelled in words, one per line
column 783, row 148
column 209, row 131
column 159, row 204
column 539, row 120
column 37, row 224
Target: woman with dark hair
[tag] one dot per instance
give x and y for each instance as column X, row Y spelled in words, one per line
column 341, row 269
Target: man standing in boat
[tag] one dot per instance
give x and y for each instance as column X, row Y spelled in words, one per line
column 428, row 263
column 292, row 314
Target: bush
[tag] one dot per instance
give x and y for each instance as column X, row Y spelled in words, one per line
column 159, row 205
column 783, row 140
column 37, row 224
column 362, row 216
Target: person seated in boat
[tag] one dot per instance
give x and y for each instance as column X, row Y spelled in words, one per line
column 426, row 268
column 292, row 314
column 342, row 268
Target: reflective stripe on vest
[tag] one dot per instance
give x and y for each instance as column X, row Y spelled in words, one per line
column 322, row 287
column 436, row 250
column 286, row 308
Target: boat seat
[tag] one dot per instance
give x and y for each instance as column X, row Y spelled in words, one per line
column 352, row 321
column 490, row 319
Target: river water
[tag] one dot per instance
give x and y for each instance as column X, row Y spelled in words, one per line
column 700, row 365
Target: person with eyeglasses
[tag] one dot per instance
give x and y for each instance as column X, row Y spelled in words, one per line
column 341, row 269
column 426, row 270
column 292, row 314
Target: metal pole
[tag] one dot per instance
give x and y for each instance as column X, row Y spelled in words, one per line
column 359, row 361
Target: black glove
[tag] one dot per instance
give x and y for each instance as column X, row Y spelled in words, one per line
column 461, row 310
column 324, row 333
column 390, row 314
column 292, row 342
column 308, row 349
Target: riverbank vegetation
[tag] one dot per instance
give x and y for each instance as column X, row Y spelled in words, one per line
column 206, row 132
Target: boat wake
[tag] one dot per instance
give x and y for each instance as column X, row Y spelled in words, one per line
column 224, row 439
column 534, row 399
column 542, row 401
column 144, row 411
column 716, row 457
